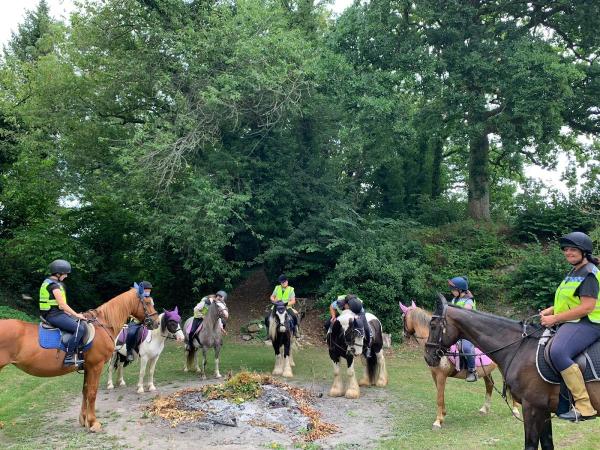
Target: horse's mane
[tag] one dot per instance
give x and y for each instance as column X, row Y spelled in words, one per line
column 116, row 310
column 421, row 316
column 502, row 321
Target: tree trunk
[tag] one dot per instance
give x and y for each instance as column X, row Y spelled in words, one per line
column 437, row 146
column 479, row 178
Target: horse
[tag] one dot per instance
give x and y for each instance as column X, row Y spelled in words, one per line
column 150, row 349
column 209, row 334
column 347, row 341
column 19, row 345
column 281, row 334
column 416, row 325
column 513, row 346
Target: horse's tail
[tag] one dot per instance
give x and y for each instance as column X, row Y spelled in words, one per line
column 372, row 367
column 190, row 354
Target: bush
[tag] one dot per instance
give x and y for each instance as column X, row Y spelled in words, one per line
column 6, row 312
column 536, row 278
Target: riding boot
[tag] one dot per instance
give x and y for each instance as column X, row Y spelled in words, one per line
column 71, row 359
column 130, row 356
column 583, row 409
column 471, row 375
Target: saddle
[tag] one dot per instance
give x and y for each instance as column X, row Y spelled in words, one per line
column 588, row 361
column 122, row 336
column 460, row 362
column 51, row 337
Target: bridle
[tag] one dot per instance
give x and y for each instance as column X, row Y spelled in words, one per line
column 440, row 349
column 349, row 336
column 148, row 321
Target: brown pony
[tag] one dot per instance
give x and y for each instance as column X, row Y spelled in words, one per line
column 416, row 325
column 19, row 346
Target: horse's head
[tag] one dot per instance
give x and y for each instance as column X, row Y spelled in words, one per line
column 171, row 323
column 407, row 319
column 221, row 306
column 441, row 334
column 347, row 335
column 281, row 316
column 144, row 310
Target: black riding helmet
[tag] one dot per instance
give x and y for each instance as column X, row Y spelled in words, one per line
column 354, row 303
column 579, row 240
column 146, row 285
column 59, row 266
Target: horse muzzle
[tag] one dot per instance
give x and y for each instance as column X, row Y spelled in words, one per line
column 282, row 328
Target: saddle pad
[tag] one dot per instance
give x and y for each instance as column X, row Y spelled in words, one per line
column 592, row 367
column 480, row 358
column 51, row 338
column 189, row 328
column 122, row 336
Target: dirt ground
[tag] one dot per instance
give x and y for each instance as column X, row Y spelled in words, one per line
column 127, row 424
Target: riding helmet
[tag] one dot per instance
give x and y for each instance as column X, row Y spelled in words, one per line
column 282, row 278
column 354, row 303
column 222, row 294
column 579, row 240
column 146, row 285
column 59, row 266
column 460, row 283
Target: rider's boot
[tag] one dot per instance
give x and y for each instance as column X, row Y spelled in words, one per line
column 73, row 359
column 130, row 354
column 583, row 409
column 471, row 375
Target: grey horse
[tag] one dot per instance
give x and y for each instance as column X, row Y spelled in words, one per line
column 210, row 334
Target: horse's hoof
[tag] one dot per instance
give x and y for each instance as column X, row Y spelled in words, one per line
column 364, row 382
column 110, row 386
column 381, row 383
column 218, row 375
column 185, row 369
column 288, row 374
column 82, row 420
column 96, row 427
column 203, row 377
column 335, row 393
column 483, row 411
column 151, row 388
column 140, row 390
column 352, row 394
column 122, row 383
column 436, row 426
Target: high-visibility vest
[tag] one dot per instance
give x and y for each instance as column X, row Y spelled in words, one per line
column 45, row 301
column 283, row 295
column 565, row 299
column 461, row 301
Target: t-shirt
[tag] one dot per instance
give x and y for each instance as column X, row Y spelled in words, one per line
column 589, row 283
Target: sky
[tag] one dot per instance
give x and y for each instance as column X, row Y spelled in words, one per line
column 12, row 13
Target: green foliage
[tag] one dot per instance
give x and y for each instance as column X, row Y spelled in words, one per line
column 6, row 312
column 533, row 283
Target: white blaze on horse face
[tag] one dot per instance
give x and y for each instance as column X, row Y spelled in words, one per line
column 282, row 318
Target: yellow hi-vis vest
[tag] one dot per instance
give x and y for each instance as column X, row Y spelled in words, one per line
column 45, row 301
column 565, row 299
column 283, row 294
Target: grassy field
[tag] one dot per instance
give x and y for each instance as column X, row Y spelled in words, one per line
column 26, row 404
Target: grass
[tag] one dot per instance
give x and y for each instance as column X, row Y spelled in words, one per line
column 27, row 404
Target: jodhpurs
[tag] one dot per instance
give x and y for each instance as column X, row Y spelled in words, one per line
column 65, row 322
column 570, row 340
column 469, row 350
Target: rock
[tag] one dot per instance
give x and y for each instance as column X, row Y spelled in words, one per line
column 246, row 337
column 387, row 340
column 254, row 327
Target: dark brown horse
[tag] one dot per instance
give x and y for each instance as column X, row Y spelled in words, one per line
column 19, row 345
column 512, row 345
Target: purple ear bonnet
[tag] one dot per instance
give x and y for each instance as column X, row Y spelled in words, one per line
column 173, row 315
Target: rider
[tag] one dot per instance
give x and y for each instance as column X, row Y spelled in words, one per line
column 134, row 327
column 459, row 286
column 55, row 310
column 335, row 309
column 577, row 308
column 355, row 304
column 283, row 292
column 200, row 310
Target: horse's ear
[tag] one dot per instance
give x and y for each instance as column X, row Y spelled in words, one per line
column 403, row 308
column 440, row 304
column 413, row 304
column 176, row 311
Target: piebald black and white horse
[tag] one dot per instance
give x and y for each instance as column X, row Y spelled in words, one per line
column 347, row 341
column 281, row 334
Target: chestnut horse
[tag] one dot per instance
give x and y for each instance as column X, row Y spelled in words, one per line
column 513, row 346
column 416, row 325
column 19, row 345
